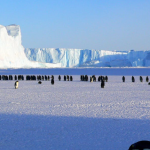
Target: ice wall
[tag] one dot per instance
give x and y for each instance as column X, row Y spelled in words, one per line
column 12, row 52
column 13, row 55
column 89, row 58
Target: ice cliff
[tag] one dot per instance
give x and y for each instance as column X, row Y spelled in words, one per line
column 14, row 55
column 12, row 52
column 89, row 58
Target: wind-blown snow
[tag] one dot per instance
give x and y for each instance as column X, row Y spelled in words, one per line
column 89, row 58
column 12, row 52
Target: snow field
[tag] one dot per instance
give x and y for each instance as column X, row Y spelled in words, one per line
column 74, row 115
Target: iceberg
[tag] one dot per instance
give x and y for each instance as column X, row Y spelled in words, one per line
column 12, row 52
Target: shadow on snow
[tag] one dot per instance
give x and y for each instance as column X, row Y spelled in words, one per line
column 71, row 133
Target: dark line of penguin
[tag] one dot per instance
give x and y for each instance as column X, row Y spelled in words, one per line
column 34, row 78
column 133, row 79
column 66, row 78
column 104, row 79
column 101, row 79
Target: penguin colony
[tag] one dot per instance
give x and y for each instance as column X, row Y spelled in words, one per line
column 101, row 79
column 40, row 78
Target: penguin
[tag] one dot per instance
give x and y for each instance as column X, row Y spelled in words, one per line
column 16, row 84
column 52, row 81
column 141, row 145
column 102, row 84
column 147, row 79
column 141, row 79
column 15, row 77
column 64, row 78
column 67, row 78
column 40, row 82
column 106, row 78
column 123, row 78
column 59, row 77
column 45, row 78
column 71, row 78
column 91, row 79
column 133, row 79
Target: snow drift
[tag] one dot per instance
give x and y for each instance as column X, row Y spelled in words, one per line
column 12, row 52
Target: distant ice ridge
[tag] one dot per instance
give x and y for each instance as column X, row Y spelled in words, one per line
column 12, row 52
column 89, row 58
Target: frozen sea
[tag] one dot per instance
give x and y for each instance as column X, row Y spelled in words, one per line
column 74, row 115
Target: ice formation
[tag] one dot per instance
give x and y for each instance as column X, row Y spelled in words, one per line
column 14, row 55
column 12, row 52
column 89, row 58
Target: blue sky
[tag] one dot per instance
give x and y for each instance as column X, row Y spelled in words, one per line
column 83, row 24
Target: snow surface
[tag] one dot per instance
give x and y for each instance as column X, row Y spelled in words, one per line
column 74, row 115
column 89, row 58
column 12, row 52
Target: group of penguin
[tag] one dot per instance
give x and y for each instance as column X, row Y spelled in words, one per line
column 66, row 78
column 133, row 79
column 101, row 79
column 21, row 77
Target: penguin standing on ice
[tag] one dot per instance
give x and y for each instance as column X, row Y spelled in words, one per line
column 102, row 84
column 16, row 84
column 133, row 79
column 123, row 78
column 147, row 79
column 91, row 79
column 59, row 77
column 52, row 81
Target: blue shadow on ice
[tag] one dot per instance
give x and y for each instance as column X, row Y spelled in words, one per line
column 70, row 133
